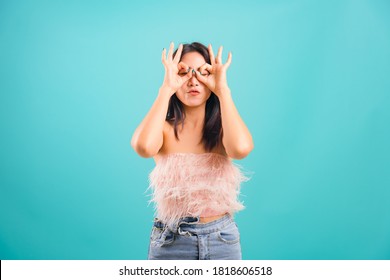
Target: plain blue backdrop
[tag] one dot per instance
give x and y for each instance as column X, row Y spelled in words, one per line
column 309, row 78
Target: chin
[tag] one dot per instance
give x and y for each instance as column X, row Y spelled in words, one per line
column 193, row 104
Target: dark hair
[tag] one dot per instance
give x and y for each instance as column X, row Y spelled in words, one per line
column 212, row 129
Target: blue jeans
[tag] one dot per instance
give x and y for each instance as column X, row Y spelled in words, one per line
column 191, row 240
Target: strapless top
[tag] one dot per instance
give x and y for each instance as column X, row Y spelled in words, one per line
column 187, row 184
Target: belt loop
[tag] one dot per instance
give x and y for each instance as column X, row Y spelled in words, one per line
column 183, row 232
column 183, row 221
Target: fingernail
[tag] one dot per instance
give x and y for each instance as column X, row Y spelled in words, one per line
column 193, row 71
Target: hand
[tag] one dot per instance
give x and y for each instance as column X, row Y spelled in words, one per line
column 172, row 80
column 214, row 75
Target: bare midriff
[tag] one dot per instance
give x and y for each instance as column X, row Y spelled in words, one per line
column 204, row 220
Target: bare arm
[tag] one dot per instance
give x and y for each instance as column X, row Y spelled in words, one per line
column 148, row 138
column 236, row 139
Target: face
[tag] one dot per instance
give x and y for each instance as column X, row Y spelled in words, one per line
column 193, row 93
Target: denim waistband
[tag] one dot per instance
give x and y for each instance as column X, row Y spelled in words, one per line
column 192, row 226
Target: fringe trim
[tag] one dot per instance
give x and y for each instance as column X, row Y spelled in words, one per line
column 185, row 184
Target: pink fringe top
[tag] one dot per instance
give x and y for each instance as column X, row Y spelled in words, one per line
column 187, row 184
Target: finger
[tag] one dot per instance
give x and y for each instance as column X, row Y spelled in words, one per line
column 187, row 76
column 178, row 54
column 163, row 56
column 205, row 67
column 170, row 52
column 219, row 55
column 201, row 78
column 229, row 60
column 182, row 67
column 211, row 53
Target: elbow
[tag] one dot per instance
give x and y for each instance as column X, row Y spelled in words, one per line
column 242, row 151
column 143, row 149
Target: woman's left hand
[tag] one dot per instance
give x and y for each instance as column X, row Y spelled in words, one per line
column 214, row 75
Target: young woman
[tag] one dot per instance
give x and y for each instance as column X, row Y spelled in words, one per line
column 192, row 131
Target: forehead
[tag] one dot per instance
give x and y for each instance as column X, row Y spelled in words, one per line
column 193, row 59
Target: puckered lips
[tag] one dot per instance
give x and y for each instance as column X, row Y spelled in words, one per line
column 193, row 91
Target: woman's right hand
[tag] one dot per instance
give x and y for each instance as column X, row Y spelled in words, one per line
column 176, row 73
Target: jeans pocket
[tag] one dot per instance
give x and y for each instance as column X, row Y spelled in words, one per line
column 229, row 234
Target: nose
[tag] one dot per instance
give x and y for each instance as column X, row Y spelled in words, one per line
column 193, row 81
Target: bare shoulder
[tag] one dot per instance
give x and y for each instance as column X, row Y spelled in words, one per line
column 189, row 141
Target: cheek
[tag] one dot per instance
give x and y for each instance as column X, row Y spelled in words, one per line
column 208, row 92
column 180, row 92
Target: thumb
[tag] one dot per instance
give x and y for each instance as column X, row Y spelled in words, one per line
column 186, row 77
column 201, row 78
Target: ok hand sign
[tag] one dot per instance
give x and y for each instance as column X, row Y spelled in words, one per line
column 216, row 79
column 172, row 80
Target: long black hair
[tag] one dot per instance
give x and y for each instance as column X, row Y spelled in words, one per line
column 212, row 129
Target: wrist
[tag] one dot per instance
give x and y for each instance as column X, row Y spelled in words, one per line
column 222, row 91
column 164, row 89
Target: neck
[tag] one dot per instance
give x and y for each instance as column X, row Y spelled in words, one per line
column 195, row 116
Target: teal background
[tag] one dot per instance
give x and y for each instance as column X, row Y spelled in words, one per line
column 310, row 79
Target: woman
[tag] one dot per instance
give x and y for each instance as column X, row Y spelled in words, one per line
column 192, row 131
